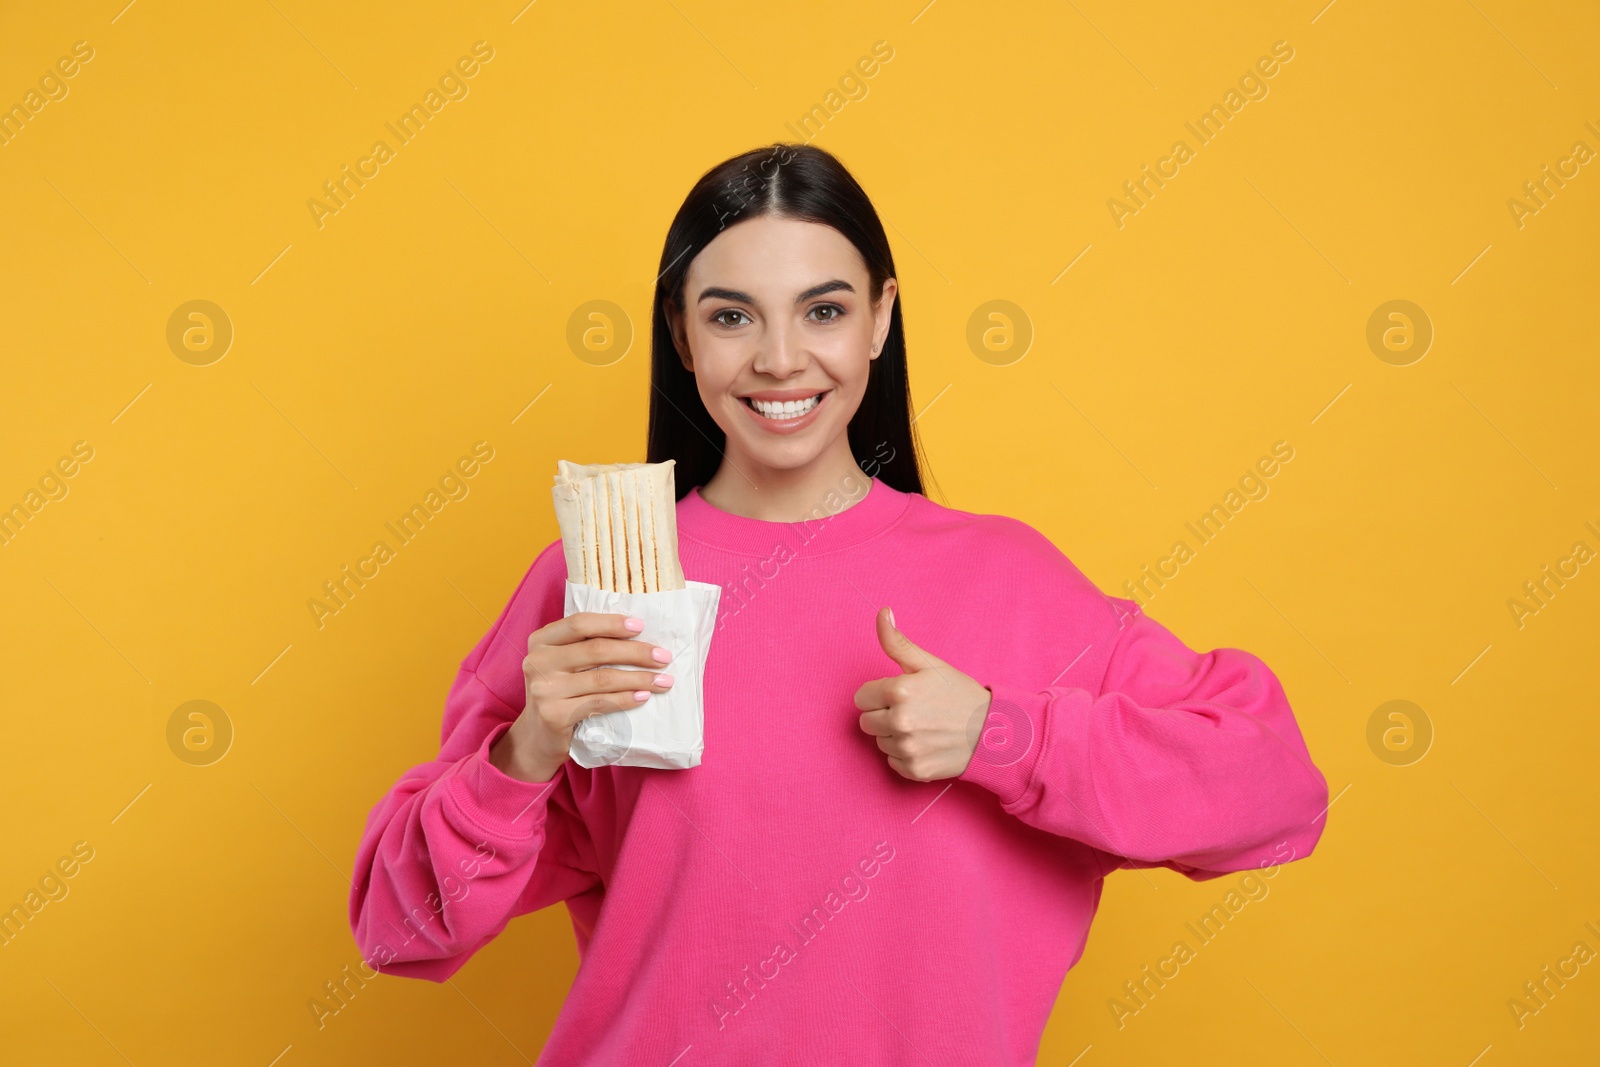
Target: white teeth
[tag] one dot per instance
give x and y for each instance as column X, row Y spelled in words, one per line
column 785, row 409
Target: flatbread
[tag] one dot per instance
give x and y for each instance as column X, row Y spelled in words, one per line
column 568, row 518
column 619, row 535
column 664, row 505
column 640, row 481
column 603, row 536
column 619, row 525
column 637, row 547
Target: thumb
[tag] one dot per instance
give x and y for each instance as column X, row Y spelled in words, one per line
column 899, row 648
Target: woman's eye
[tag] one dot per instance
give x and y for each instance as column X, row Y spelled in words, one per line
column 828, row 312
column 720, row 317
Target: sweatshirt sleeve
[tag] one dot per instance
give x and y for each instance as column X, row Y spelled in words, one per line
column 456, row 848
column 1181, row 759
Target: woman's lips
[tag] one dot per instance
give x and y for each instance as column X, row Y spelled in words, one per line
column 786, row 426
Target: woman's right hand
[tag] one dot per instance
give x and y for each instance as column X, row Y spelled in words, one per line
column 564, row 683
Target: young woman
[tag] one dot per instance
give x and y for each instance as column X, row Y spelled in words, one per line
column 928, row 737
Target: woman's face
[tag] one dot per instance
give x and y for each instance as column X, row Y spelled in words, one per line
column 780, row 332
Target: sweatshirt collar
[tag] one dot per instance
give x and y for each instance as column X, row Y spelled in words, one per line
column 880, row 507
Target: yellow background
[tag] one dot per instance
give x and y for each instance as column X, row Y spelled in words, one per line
column 1228, row 314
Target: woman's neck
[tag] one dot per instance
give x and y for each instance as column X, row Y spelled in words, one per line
column 751, row 490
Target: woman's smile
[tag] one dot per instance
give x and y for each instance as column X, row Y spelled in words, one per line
column 785, row 410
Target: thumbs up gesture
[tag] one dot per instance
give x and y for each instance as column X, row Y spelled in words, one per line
column 926, row 720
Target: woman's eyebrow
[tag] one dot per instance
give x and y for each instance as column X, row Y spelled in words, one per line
column 836, row 285
column 717, row 293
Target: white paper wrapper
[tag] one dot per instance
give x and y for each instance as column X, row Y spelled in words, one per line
column 668, row 730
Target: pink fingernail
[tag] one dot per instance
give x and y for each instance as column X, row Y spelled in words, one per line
column 661, row 655
column 633, row 624
column 641, row 694
column 664, row 681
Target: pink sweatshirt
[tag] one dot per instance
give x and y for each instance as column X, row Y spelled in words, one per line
column 793, row 899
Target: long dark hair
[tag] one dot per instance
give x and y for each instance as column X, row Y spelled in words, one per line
column 795, row 181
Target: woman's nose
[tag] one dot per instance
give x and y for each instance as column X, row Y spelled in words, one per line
column 780, row 353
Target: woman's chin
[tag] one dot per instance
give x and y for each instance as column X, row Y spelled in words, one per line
column 784, row 453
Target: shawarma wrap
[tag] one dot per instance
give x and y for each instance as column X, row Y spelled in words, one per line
column 619, row 525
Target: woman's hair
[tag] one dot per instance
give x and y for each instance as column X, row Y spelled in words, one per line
column 793, row 181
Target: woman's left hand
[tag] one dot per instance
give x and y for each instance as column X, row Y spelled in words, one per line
column 927, row 720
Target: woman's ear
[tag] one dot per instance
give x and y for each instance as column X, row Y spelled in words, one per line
column 882, row 313
column 679, row 340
